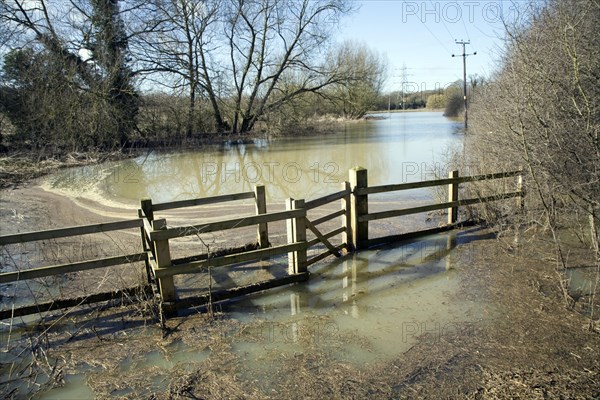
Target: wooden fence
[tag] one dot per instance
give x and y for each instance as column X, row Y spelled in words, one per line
column 155, row 233
column 32, row 273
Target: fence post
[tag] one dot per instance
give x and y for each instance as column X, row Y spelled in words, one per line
column 146, row 206
column 359, row 206
column 521, row 198
column 163, row 260
column 346, row 218
column 296, row 233
column 261, row 208
column 452, row 197
column 145, row 248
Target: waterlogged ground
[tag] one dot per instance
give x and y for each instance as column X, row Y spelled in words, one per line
column 366, row 309
column 462, row 315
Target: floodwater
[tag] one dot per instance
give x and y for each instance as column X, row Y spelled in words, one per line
column 399, row 147
column 367, row 308
column 378, row 302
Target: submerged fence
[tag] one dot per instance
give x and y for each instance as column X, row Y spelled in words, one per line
column 155, row 249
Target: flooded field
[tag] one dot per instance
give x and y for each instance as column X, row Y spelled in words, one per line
column 402, row 147
column 365, row 309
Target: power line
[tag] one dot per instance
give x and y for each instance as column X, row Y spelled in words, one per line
column 465, row 26
column 436, row 38
column 442, row 19
column 464, row 55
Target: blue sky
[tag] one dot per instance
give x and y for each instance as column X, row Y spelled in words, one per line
column 422, row 34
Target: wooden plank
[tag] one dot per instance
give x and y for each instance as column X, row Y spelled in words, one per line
column 326, row 199
column 329, row 217
column 147, row 209
column 326, row 254
column 291, row 235
column 487, row 199
column 68, row 268
column 220, row 253
column 436, row 182
column 202, row 201
column 224, row 225
column 70, row 231
column 410, row 235
column 520, row 201
column 327, row 235
column 239, row 291
column 162, row 253
column 440, row 206
column 262, row 230
column 147, row 225
column 452, row 197
column 359, row 208
column 79, row 301
column 487, row 177
column 346, row 219
column 200, row 266
column 417, row 234
column 320, row 236
column 300, row 237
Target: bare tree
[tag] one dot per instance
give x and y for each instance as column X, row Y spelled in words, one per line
column 542, row 110
column 240, row 54
column 363, row 73
column 269, row 38
column 171, row 53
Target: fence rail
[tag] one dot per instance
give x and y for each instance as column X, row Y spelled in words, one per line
column 435, row 207
column 71, row 231
column 437, row 182
column 203, row 201
column 181, row 231
column 155, row 234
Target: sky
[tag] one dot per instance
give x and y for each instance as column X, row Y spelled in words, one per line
column 422, row 35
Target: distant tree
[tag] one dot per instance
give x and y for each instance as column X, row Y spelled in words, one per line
column 174, row 53
column 241, row 55
column 454, row 103
column 436, row 101
column 363, row 74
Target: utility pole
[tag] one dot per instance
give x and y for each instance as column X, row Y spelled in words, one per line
column 464, row 56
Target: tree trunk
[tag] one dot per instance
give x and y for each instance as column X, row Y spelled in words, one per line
column 191, row 112
column 247, row 124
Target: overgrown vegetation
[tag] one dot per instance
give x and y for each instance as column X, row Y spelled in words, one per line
column 107, row 74
column 542, row 111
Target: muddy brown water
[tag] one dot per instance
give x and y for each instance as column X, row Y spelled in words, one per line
column 401, row 147
column 381, row 300
column 365, row 309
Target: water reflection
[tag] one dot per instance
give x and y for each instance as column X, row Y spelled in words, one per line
column 395, row 149
column 385, row 297
column 365, row 308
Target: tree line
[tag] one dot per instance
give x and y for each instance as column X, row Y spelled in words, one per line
column 83, row 74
